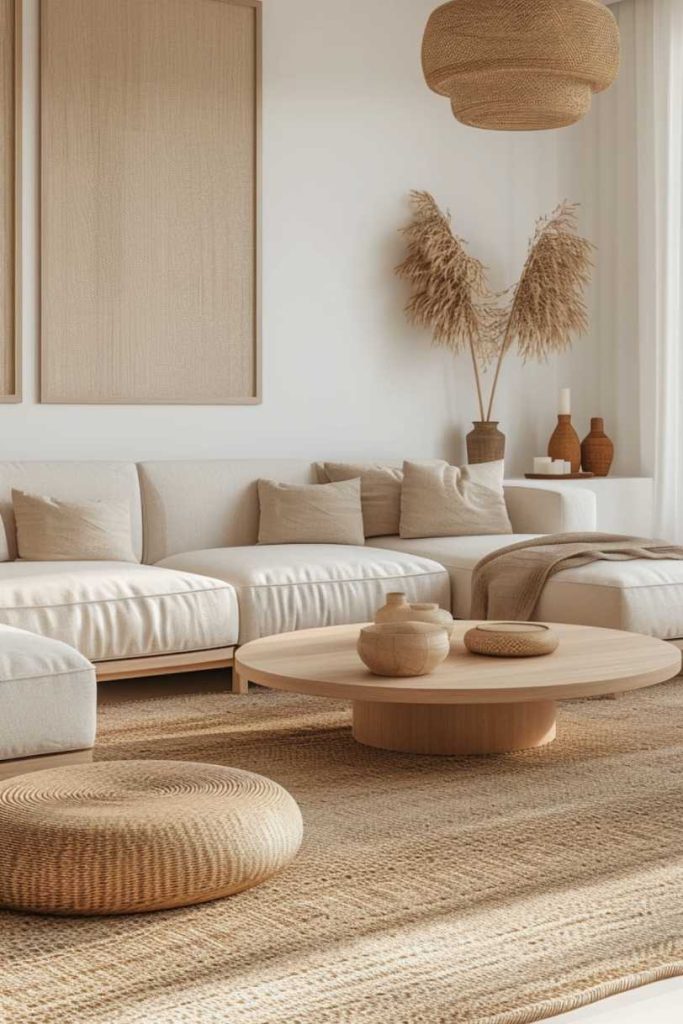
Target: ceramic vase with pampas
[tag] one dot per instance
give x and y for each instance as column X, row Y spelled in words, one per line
column 450, row 296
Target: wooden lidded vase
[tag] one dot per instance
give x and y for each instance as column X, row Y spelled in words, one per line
column 564, row 443
column 486, row 443
column 597, row 451
column 398, row 609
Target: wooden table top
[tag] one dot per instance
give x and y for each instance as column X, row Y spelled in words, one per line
column 588, row 662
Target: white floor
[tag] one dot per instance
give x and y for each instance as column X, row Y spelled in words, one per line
column 661, row 1003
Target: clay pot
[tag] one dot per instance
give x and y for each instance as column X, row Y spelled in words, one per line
column 564, row 443
column 597, row 451
column 403, row 648
column 486, row 443
column 397, row 609
column 511, row 639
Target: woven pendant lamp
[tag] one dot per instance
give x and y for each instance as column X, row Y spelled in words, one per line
column 520, row 65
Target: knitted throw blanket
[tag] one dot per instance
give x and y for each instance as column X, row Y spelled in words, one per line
column 508, row 583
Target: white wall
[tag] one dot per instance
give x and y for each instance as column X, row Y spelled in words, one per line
column 349, row 128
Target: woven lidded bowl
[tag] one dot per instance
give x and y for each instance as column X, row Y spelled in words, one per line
column 511, row 639
column 520, row 66
column 130, row 836
column 403, row 649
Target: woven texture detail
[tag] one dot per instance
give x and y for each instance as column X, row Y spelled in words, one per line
column 428, row 890
column 138, row 836
column 506, row 644
column 520, row 65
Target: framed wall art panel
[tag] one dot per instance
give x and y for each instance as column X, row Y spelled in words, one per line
column 150, row 153
column 10, row 202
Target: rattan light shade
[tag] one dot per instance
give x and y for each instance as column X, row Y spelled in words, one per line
column 520, row 65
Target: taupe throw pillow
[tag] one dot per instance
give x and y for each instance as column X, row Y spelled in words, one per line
column 438, row 500
column 50, row 530
column 310, row 513
column 380, row 493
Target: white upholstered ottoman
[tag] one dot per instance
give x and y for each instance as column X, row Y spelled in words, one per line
column 48, row 699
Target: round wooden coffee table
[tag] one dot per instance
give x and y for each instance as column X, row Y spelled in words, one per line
column 471, row 704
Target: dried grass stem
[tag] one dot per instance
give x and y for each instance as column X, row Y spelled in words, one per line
column 450, row 295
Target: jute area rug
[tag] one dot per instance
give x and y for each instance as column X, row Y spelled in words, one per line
column 489, row 890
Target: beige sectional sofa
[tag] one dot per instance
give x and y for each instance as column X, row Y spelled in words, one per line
column 203, row 585
column 140, row 618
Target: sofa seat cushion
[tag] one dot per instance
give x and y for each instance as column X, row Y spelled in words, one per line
column 48, row 695
column 112, row 610
column 640, row 596
column 285, row 587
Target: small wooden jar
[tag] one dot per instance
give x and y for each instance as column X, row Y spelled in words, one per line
column 397, row 609
column 403, row 648
column 511, row 639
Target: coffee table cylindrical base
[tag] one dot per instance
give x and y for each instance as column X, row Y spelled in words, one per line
column 454, row 728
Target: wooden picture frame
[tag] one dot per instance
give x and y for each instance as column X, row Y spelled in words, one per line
column 150, row 202
column 11, row 190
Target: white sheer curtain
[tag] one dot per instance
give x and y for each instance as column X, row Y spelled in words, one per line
column 659, row 101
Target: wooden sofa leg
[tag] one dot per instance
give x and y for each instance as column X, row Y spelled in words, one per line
column 41, row 761
column 239, row 683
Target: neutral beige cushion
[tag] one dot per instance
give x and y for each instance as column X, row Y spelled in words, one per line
column 4, row 544
column 380, row 493
column 295, row 586
column 50, row 530
column 112, row 610
column 310, row 513
column 438, row 500
column 71, row 481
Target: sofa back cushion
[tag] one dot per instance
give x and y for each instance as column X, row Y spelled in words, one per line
column 194, row 505
column 71, row 481
column 439, row 500
column 310, row 513
column 52, row 530
column 380, row 493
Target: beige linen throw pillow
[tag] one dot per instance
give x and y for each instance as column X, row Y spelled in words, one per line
column 4, row 546
column 50, row 530
column 438, row 500
column 310, row 513
column 380, row 493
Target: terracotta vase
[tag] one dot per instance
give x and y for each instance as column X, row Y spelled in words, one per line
column 597, row 451
column 486, row 443
column 564, row 443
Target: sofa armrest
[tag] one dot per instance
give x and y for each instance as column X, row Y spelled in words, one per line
column 551, row 510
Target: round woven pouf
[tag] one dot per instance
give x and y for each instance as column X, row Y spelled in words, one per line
column 130, row 836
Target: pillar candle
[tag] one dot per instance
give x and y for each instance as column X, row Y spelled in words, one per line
column 565, row 402
column 542, row 464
